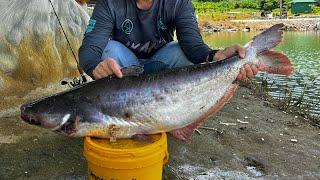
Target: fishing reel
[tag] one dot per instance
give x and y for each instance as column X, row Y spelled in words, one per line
column 76, row 81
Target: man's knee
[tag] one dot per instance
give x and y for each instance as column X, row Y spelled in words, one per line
column 176, row 49
column 119, row 52
column 115, row 47
column 178, row 57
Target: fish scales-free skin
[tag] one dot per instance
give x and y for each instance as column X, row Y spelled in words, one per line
column 158, row 102
column 148, row 104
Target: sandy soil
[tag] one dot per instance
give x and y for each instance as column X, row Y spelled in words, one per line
column 262, row 148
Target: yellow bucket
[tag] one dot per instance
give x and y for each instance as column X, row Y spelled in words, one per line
column 126, row 159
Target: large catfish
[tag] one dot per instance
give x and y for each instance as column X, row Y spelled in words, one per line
column 176, row 100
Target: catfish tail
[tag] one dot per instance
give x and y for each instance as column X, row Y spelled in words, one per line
column 268, row 39
column 271, row 61
column 275, row 63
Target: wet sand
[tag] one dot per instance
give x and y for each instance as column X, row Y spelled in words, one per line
column 263, row 147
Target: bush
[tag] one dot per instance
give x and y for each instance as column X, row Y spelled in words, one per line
column 217, row 7
column 248, row 4
column 316, row 9
column 223, row 6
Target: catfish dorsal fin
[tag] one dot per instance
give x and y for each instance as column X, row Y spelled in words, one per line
column 184, row 134
column 132, row 71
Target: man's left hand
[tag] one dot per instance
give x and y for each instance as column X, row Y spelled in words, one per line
column 247, row 71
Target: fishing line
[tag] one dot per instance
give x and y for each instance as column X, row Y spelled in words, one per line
column 76, row 81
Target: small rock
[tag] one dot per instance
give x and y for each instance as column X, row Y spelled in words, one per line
column 26, row 172
column 262, row 139
column 286, row 132
column 281, row 134
column 294, row 140
column 213, row 159
column 296, row 117
column 267, row 104
column 237, row 108
column 246, row 29
column 246, row 117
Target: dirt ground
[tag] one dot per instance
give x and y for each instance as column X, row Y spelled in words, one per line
column 265, row 148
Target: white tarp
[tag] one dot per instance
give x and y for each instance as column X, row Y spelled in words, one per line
column 33, row 49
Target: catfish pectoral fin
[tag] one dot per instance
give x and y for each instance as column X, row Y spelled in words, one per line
column 185, row 134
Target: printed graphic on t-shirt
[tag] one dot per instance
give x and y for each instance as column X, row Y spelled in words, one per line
column 91, row 25
column 127, row 26
column 147, row 47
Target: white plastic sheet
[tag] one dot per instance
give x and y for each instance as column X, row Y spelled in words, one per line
column 33, row 48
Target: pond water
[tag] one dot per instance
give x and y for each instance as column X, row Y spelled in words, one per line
column 303, row 48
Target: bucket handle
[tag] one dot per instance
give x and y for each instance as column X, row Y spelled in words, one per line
column 166, row 157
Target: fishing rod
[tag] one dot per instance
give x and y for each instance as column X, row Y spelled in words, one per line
column 76, row 81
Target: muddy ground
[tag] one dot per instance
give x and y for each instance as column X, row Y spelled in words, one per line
column 263, row 148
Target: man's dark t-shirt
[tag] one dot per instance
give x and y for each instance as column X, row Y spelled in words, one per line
column 142, row 31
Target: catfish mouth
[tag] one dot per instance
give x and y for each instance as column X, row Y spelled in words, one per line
column 39, row 120
column 30, row 119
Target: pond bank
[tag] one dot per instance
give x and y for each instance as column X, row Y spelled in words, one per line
column 269, row 144
column 297, row 24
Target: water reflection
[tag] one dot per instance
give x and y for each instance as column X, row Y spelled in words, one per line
column 303, row 48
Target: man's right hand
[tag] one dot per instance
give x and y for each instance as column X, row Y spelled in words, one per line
column 107, row 67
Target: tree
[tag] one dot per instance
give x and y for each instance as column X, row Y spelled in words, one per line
column 268, row 5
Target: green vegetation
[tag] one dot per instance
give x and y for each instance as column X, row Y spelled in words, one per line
column 224, row 6
column 316, row 10
column 215, row 10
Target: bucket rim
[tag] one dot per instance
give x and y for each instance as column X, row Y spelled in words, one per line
column 127, row 158
column 153, row 145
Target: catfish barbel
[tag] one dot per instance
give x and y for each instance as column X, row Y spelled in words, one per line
column 175, row 100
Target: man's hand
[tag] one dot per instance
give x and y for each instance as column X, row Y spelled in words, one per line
column 247, row 71
column 107, row 67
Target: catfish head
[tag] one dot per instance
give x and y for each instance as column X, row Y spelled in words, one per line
column 52, row 113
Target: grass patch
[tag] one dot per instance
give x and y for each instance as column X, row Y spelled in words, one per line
column 236, row 14
column 286, row 101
